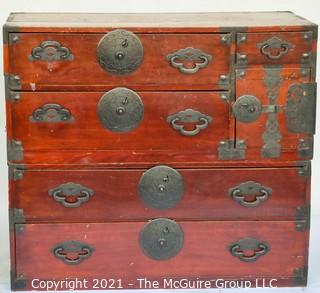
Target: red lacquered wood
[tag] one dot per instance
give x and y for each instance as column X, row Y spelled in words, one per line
column 298, row 45
column 117, row 253
column 116, row 196
column 253, row 83
column 86, row 132
column 154, row 72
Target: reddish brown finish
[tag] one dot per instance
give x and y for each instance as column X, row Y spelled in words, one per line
column 251, row 47
column 117, row 253
column 253, row 84
column 86, row 132
column 116, row 197
column 84, row 71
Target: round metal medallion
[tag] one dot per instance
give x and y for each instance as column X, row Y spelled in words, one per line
column 120, row 110
column 120, row 52
column 161, row 187
column 161, row 239
column 247, row 108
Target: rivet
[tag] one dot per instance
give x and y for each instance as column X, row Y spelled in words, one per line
column 15, row 38
column 306, row 36
column 225, row 38
column 305, row 55
column 223, row 77
column 243, row 39
column 242, row 73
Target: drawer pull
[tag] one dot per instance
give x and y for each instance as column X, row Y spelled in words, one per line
column 249, row 249
column 195, row 58
column 274, row 48
column 161, row 187
column 120, row 110
column 51, row 113
column 71, row 195
column 161, row 239
column 72, row 252
column 120, row 52
column 198, row 120
column 250, row 194
column 50, row 51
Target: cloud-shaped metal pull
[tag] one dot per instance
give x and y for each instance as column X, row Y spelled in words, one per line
column 50, row 51
column 51, row 113
column 274, row 48
column 179, row 120
column 72, row 252
column 189, row 55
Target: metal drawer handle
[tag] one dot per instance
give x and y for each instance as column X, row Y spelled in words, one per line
column 72, row 252
column 51, row 113
column 178, row 120
column 250, row 189
column 196, row 57
column 268, row 48
column 249, row 249
column 50, row 51
column 71, row 195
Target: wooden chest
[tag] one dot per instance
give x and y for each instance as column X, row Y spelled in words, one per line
column 159, row 150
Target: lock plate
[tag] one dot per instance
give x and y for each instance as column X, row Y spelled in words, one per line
column 247, row 108
column 120, row 52
column 161, row 239
column 161, row 187
column 120, row 110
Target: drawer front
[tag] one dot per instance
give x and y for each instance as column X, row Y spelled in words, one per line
column 99, row 195
column 237, row 250
column 275, row 112
column 188, row 122
column 269, row 48
column 161, row 61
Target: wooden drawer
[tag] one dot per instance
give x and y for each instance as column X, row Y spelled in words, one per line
column 211, row 250
column 70, row 61
column 214, row 194
column 186, row 122
column 277, row 47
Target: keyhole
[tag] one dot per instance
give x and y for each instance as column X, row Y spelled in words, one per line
column 124, row 43
column 125, row 101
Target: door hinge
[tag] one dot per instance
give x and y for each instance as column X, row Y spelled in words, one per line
column 14, row 150
column 18, row 281
column 304, row 168
column 16, row 216
column 232, row 150
column 305, row 147
column 15, row 171
column 300, row 276
column 303, row 218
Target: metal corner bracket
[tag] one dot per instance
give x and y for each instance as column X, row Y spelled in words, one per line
column 232, row 150
column 12, row 81
column 14, row 150
column 16, row 217
column 303, row 218
column 304, row 168
column 300, row 276
column 16, row 171
column 18, row 281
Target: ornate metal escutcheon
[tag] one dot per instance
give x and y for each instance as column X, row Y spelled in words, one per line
column 120, row 110
column 301, row 108
column 274, row 48
column 120, row 52
column 50, row 51
column 71, row 195
column 198, row 120
column 51, row 113
column 161, row 239
column 249, row 249
column 250, row 194
column 161, row 187
column 189, row 60
column 72, row 252
column 247, row 108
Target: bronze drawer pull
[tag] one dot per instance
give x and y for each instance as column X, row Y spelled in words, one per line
column 50, row 51
column 189, row 55
column 71, row 195
column 199, row 120
column 249, row 249
column 251, row 189
column 51, row 113
column 268, row 48
column 72, row 252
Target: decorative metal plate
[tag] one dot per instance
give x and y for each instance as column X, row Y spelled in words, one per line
column 72, row 252
column 250, row 189
column 161, row 239
column 241, row 248
column 50, row 51
column 71, row 195
column 51, row 113
column 120, row 110
column 274, row 48
column 301, row 108
column 161, row 187
column 247, row 108
column 200, row 121
column 120, row 52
